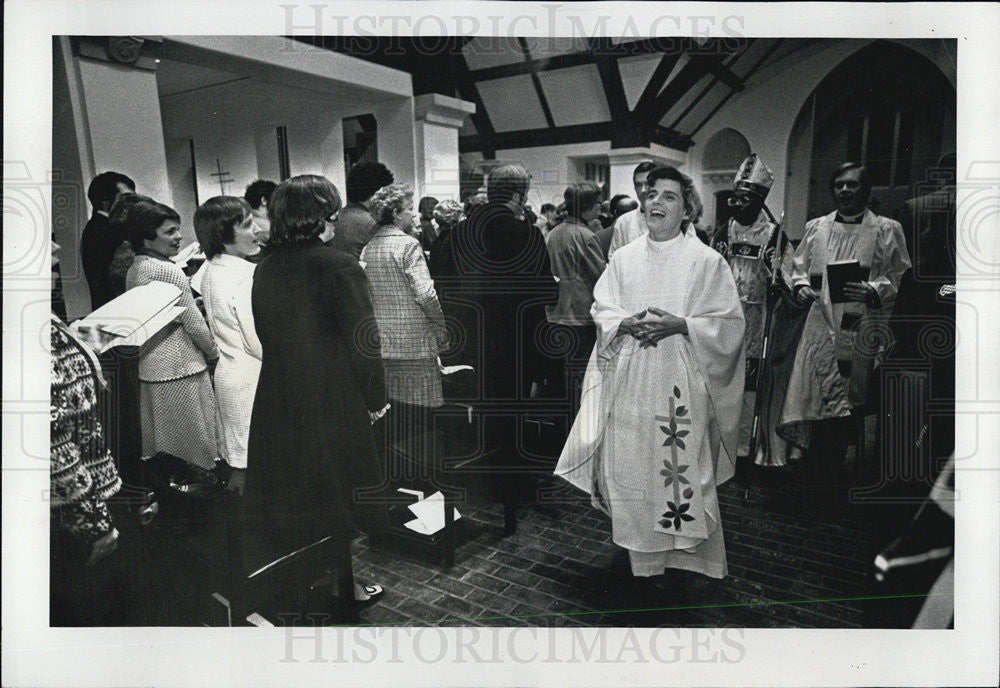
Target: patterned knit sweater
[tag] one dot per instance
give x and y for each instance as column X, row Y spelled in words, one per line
column 83, row 473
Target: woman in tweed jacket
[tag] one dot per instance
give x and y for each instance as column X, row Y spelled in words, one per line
column 176, row 399
column 410, row 322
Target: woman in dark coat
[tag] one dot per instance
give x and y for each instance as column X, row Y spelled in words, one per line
column 311, row 448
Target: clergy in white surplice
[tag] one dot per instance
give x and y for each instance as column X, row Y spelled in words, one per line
column 658, row 424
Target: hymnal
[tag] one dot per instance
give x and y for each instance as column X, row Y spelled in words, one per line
column 839, row 273
column 136, row 315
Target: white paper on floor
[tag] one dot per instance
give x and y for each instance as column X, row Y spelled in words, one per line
column 429, row 515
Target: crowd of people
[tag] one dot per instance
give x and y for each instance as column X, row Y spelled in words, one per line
column 312, row 337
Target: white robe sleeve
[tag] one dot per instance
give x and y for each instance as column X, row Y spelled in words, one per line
column 607, row 311
column 800, row 259
column 891, row 261
column 715, row 332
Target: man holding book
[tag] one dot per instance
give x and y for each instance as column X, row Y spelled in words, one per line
column 848, row 266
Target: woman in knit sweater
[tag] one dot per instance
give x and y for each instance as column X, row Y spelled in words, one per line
column 176, row 399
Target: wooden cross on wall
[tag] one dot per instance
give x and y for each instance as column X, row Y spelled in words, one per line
column 223, row 177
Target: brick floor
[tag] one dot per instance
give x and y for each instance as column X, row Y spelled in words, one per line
column 561, row 568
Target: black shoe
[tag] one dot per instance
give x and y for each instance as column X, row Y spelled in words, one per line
column 375, row 593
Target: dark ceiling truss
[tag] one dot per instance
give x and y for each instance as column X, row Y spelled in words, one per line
column 536, row 82
column 439, row 66
column 636, row 127
column 739, row 86
column 576, row 133
column 757, row 65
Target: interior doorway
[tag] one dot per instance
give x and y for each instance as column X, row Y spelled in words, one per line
column 360, row 139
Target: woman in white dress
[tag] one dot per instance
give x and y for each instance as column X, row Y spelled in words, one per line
column 225, row 230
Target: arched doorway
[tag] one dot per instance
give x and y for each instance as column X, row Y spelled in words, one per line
column 887, row 107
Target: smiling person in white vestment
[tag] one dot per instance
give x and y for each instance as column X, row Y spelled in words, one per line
column 227, row 233
column 659, row 418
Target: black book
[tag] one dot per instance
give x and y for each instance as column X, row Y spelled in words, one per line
column 839, row 273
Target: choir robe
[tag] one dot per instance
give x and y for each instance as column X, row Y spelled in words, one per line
column 839, row 343
column 658, row 427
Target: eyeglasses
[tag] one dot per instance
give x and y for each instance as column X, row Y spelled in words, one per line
column 739, row 200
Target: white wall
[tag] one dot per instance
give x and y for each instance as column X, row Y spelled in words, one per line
column 123, row 116
column 437, row 161
column 236, row 124
column 552, row 168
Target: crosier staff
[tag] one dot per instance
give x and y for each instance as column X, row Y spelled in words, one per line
column 779, row 252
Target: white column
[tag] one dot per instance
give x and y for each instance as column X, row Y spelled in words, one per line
column 437, row 121
column 623, row 161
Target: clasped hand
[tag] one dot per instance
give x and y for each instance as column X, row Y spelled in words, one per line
column 651, row 325
column 861, row 292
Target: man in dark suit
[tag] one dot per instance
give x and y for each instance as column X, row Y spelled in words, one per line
column 918, row 376
column 99, row 239
column 503, row 267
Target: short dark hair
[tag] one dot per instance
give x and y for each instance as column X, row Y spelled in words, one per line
column 104, row 187
column 426, row 206
column 258, row 191
column 644, row 166
column 863, row 177
column 300, row 207
column 505, row 181
column 547, row 207
column 581, row 197
column 365, row 178
column 614, row 201
column 141, row 216
column 692, row 201
column 215, row 220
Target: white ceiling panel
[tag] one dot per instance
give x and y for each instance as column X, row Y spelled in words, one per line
column 635, row 73
column 512, row 103
column 492, row 51
column 575, row 95
column 683, row 103
column 544, row 47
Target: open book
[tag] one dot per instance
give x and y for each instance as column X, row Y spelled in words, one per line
column 839, row 273
column 137, row 315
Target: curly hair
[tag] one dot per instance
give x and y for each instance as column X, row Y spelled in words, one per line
column 448, row 213
column 388, row 200
column 300, row 208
